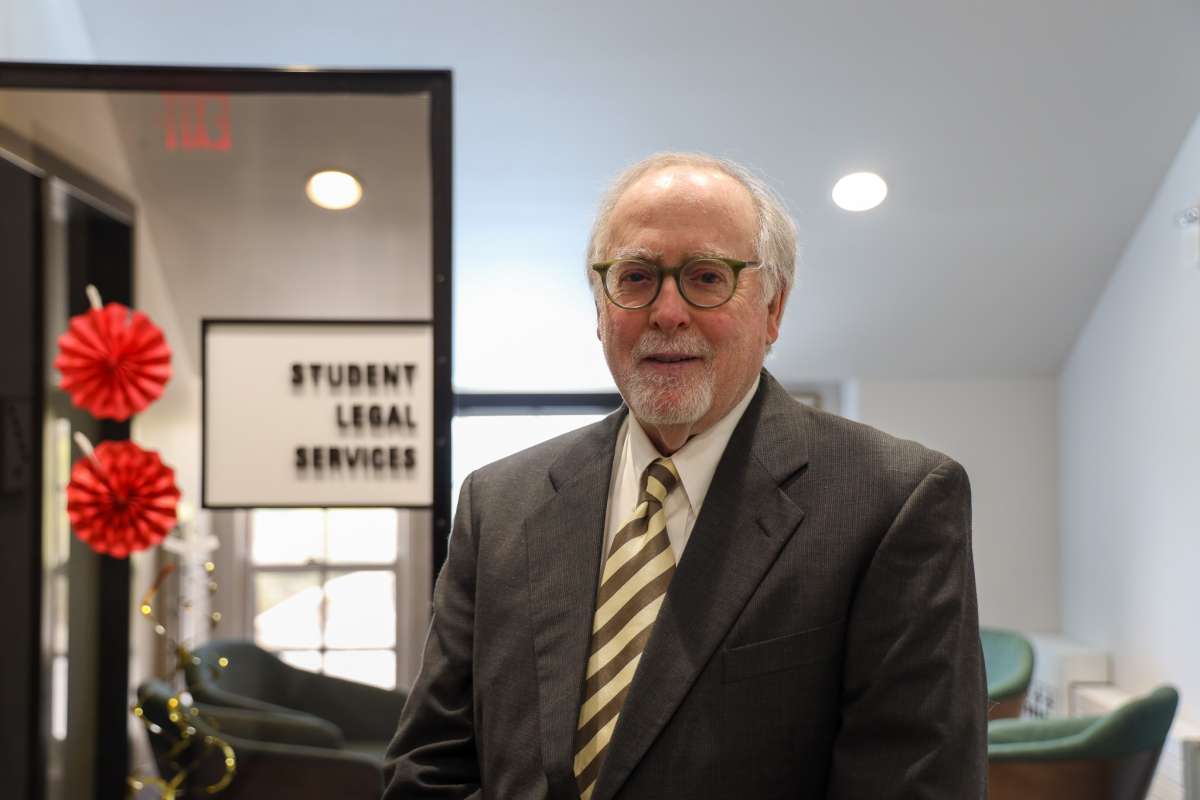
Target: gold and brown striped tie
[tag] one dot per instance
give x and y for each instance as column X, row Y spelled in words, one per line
column 639, row 567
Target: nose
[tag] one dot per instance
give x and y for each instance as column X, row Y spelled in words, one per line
column 670, row 312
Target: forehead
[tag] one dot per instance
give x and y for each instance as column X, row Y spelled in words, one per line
column 680, row 206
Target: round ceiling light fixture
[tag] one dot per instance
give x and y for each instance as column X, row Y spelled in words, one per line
column 860, row 191
column 334, row 189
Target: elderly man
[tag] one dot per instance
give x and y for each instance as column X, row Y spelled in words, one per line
column 716, row 592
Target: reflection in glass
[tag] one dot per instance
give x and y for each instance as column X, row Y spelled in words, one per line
column 223, row 226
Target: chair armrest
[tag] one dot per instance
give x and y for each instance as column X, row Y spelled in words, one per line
column 1053, row 740
column 1013, row 686
column 274, row 770
column 361, row 711
column 212, row 695
column 1015, row 731
column 281, row 727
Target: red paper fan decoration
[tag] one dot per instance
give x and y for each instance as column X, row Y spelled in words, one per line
column 113, row 364
column 123, row 501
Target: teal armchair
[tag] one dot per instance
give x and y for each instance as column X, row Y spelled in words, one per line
column 323, row 710
column 265, row 769
column 1008, row 660
column 1112, row 757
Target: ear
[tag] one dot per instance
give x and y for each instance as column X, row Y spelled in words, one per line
column 775, row 316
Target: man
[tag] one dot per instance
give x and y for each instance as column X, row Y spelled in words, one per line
column 716, row 592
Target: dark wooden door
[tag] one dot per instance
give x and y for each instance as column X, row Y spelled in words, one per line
column 64, row 610
column 20, row 484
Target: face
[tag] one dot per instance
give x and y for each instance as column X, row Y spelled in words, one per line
column 673, row 363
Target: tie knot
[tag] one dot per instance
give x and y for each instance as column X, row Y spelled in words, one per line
column 658, row 480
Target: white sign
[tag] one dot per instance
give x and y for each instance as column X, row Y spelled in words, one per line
column 317, row 413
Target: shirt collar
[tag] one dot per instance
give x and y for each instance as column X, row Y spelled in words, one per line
column 696, row 462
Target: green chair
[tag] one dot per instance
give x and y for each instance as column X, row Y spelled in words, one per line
column 263, row 769
column 1112, row 757
column 1008, row 660
column 332, row 712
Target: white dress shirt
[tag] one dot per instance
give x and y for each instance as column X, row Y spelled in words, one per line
column 696, row 462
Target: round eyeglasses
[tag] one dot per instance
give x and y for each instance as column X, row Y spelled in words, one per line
column 706, row 282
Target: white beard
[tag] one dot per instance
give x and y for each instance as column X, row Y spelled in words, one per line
column 668, row 399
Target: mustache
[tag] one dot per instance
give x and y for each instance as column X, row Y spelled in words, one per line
column 688, row 344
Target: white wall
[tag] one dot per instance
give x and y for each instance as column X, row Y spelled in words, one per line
column 45, row 30
column 1004, row 433
column 1130, row 448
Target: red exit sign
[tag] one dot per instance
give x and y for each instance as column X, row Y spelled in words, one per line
column 196, row 122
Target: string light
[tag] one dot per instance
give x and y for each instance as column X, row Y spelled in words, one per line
column 182, row 714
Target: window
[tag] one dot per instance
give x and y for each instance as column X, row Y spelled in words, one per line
column 488, row 427
column 56, row 566
column 479, row 440
column 323, row 589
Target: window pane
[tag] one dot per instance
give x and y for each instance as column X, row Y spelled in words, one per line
column 478, row 441
column 362, row 536
column 376, row 667
column 288, row 609
column 360, row 610
column 304, row 659
column 287, row 536
column 58, row 698
column 60, row 600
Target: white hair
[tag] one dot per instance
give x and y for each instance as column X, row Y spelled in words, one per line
column 776, row 231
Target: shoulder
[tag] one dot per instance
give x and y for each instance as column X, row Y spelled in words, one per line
column 883, row 472
column 837, row 438
column 869, row 478
column 851, row 458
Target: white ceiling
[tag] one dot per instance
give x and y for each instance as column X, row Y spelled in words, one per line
column 1022, row 142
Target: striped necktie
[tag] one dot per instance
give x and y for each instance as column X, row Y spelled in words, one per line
column 636, row 573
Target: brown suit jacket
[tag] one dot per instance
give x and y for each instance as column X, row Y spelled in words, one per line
column 819, row 638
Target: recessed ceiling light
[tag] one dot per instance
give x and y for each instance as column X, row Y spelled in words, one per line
column 860, row 191
column 334, row 189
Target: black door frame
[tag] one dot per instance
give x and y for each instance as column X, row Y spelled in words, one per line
column 21, row 400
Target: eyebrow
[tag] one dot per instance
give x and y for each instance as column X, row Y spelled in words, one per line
column 656, row 256
column 641, row 253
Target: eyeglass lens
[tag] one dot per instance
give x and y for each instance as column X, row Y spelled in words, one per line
column 633, row 284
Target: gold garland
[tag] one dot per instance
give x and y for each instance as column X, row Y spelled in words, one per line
column 181, row 715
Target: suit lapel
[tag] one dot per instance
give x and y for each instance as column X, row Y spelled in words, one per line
column 563, row 539
column 746, row 520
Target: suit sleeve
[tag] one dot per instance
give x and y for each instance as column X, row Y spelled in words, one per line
column 433, row 753
column 914, row 704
